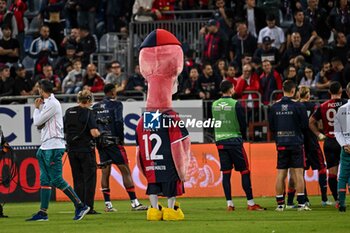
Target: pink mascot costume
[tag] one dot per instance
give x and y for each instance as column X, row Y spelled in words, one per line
column 163, row 151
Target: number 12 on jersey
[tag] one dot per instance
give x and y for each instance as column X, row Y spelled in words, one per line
column 153, row 155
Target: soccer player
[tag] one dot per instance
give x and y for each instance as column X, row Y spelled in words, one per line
column 342, row 134
column 288, row 120
column 109, row 113
column 229, row 141
column 314, row 155
column 326, row 112
column 48, row 118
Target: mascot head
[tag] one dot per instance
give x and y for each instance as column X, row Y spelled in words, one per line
column 161, row 61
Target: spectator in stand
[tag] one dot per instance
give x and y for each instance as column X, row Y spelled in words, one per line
column 293, row 51
column 216, row 43
column 242, row 43
column 115, row 14
column 339, row 17
column 65, row 62
column 270, row 80
column 116, row 77
column 86, row 46
column 248, row 81
column 317, row 16
column 300, row 64
column 8, row 18
column 136, row 81
column 142, row 10
column 317, row 54
column 231, row 74
column 160, row 7
column 86, row 14
column 224, row 16
column 220, row 68
column 23, row 84
column 190, row 88
column 254, row 16
column 274, row 32
column 9, row 47
column 339, row 74
column 340, row 47
column 7, row 83
column 291, row 74
column 42, row 48
column 323, row 80
column 73, row 82
column 302, row 26
column 72, row 38
column 18, row 7
column 208, row 83
column 70, row 11
column 267, row 52
column 92, row 81
column 309, row 78
column 347, row 66
column 52, row 13
column 49, row 75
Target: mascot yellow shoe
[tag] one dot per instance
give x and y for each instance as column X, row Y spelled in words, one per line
column 154, row 214
column 172, row 214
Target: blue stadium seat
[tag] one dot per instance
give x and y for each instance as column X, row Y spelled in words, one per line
column 109, row 42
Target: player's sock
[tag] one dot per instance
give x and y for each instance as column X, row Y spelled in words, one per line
column 290, row 198
column 341, row 195
column 171, row 202
column 73, row 197
column 246, row 184
column 106, row 194
column 226, row 184
column 131, row 193
column 45, row 195
column 333, row 183
column 280, row 199
column 322, row 181
column 301, row 198
column 135, row 203
column 154, row 201
column 251, row 202
column 306, row 197
column 230, row 203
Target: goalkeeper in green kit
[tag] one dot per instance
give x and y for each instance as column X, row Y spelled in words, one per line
column 229, row 141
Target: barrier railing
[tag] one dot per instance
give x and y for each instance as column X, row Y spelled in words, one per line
column 125, row 96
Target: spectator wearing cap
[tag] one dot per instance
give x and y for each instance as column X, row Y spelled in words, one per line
column 23, row 83
column 9, row 47
column 304, row 27
column 242, row 43
column 43, row 46
column 254, row 16
column 117, row 77
column 270, row 80
column 86, row 46
column 267, row 52
column 215, row 45
column 63, row 64
column 274, row 32
column 92, row 81
column 7, row 83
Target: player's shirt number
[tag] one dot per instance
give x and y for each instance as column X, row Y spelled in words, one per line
column 330, row 115
column 153, row 155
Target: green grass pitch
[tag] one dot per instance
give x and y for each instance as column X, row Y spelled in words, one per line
column 201, row 215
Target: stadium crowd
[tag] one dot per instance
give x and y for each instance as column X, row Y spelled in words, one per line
column 242, row 43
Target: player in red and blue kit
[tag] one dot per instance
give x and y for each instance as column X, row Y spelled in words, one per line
column 326, row 112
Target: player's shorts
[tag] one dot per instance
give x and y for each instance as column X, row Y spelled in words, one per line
column 314, row 158
column 332, row 152
column 116, row 153
column 290, row 157
column 166, row 189
column 233, row 156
